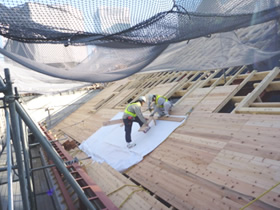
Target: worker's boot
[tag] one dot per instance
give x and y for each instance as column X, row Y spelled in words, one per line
column 130, row 145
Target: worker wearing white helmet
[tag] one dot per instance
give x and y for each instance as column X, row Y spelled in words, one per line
column 132, row 114
column 160, row 104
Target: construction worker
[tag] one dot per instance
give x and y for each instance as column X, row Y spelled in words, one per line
column 161, row 105
column 133, row 113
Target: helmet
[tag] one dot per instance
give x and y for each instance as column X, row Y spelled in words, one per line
column 151, row 97
column 142, row 98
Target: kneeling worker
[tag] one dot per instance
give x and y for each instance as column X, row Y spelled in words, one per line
column 133, row 113
column 161, row 105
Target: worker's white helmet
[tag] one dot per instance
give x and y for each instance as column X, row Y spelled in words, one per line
column 151, row 97
column 142, row 98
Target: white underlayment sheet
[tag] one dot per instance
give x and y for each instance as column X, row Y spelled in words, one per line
column 108, row 143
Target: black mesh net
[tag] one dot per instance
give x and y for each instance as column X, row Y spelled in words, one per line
column 102, row 41
column 79, row 22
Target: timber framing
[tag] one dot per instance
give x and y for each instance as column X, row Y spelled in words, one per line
column 223, row 156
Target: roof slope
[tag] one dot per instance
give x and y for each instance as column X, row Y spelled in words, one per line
column 222, row 157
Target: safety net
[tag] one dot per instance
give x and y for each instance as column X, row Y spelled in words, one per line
column 107, row 40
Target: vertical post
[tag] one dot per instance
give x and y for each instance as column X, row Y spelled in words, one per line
column 25, row 149
column 225, row 76
column 49, row 118
column 10, row 99
column 9, row 164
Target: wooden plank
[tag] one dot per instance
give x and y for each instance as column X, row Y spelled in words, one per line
column 258, row 110
column 119, row 188
column 192, row 87
column 207, row 80
column 113, row 122
column 144, row 128
column 237, row 99
column 173, row 119
column 170, row 118
column 213, row 98
column 273, row 86
column 235, row 75
column 263, row 104
column 218, row 81
column 179, row 84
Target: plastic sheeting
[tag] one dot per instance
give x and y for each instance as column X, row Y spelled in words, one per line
column 28, row 81
column 108, row 143
column 241, row 47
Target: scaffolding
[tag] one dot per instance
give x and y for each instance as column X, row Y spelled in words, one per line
column 16, row 119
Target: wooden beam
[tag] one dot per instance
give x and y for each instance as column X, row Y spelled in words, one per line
column 207, row 80
column 196, row 84
column 174, row 119
column 218, row 81
column 237, row 99
column 120, row 121
column 259, row 76
column 273, row 86
column 266, row 104
column 239, row 87
column 113, row 122
column 182, row 82
column 235, row 75
column 258, row 110
column 251, row 97
column 263, row 104
column 144, row 127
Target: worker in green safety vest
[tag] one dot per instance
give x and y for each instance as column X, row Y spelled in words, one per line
column 159, row 104
column 133, row 113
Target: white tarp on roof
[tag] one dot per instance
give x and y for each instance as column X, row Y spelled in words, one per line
column 108, row 143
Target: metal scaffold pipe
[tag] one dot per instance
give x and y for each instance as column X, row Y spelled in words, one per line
column 16, row 111
column 9, row 164
column 52, row 154
column 10, row 99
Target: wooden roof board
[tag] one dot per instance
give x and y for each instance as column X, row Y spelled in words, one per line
column 203, row 99
column 119, row 189
column 123, row 97
column 213, row 98
column 198, row 165
column 161, row 89
column 180, row 154
column 83, row 124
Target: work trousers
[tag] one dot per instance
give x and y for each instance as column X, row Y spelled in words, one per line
column 128, row 126
column 163, row 110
